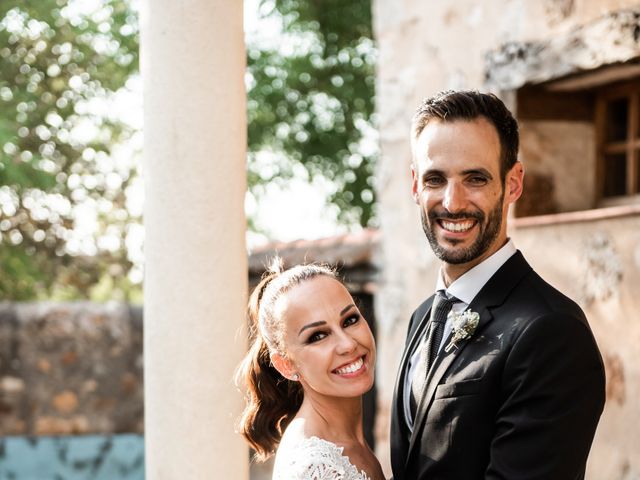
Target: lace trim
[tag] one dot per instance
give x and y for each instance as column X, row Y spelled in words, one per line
column 316, row 459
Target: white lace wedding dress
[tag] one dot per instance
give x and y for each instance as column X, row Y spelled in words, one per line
column 314, row 459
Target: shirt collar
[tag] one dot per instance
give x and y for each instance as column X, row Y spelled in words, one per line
column 467, row 286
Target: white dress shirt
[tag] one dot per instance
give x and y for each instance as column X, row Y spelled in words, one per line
column 464, row 288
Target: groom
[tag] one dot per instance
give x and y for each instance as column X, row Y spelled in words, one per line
column 501, row 377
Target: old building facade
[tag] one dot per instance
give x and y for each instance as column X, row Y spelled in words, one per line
column 569, row 70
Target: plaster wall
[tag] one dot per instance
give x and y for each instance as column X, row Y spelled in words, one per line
column 563, row 154
column 597, row 263
column 425, row 47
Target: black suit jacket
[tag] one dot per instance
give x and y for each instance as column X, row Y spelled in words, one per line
column 520, row 399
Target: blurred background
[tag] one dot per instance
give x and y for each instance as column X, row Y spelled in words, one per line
column 331, row 88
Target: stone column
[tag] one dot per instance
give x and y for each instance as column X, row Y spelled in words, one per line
column 193, row 63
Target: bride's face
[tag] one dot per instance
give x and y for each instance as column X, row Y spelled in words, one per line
column 328, row 342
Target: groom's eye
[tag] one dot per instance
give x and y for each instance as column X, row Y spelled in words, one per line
column 478, row 180
column 433, row 181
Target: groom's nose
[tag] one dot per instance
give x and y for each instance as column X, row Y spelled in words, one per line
column 454, row 197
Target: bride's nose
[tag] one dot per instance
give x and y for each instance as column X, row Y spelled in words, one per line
column 346, row 343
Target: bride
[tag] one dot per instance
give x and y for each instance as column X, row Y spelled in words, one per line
column 311, row 359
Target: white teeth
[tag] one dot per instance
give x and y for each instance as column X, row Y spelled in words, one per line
column 353, row 367
column 457, row 227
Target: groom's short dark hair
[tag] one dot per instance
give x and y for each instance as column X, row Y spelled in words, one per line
column 453, row 105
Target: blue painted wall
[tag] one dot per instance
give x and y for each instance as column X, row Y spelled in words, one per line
column 90, row 457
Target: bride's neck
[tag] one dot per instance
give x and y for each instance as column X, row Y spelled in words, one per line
column 336, row 419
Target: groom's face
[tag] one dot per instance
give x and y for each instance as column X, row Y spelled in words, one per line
column 457, row 184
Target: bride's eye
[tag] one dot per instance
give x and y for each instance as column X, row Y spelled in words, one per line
column 316, row 336
column 351, row 319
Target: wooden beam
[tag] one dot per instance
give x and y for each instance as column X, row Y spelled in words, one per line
column 535, row 103
column 632, row 151
column 596, row 78
column 600, row 122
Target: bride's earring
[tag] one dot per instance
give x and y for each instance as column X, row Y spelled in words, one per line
column 295, row 377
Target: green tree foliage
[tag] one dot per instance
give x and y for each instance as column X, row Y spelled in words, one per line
column 55, row 60
column 311, row 97
column 310, row 102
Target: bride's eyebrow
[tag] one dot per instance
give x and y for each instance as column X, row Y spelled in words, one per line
column 322, row 322
column 347, row 308
column 311, row 325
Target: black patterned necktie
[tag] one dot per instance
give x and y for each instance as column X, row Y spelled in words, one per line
column 430, row 346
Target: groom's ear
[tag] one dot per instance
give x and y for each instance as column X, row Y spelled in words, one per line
column 514, row 182
column 415, row 193
column 283, row 365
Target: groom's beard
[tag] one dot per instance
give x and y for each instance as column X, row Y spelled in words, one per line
column 488, row 231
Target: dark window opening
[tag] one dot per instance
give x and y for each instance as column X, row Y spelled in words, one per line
column 617, row 120
column 615, row 175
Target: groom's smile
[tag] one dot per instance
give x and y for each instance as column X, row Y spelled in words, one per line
column 456, row 227
column 462, row 237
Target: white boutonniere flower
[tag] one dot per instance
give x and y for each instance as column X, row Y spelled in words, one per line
column 464, row 324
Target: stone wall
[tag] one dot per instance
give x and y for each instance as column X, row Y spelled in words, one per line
column 70, row 369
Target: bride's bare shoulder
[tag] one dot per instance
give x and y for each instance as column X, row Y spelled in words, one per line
column 296, row 432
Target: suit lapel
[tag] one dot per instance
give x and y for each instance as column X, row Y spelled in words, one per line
column 494, row 293
column 399, row 427
column 441, row 365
